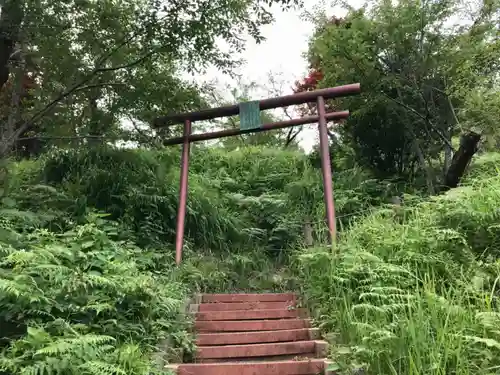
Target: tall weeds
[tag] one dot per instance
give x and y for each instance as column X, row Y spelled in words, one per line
column 85, row 301
column 250, row 198
column 408, row 290
column 413, row 291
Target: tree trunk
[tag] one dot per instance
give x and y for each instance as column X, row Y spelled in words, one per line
column 94, row 120
column 448, row 152
column 429, row 178
column 291, row 136
column 461, row 159
column 10, row 23
column 11, row 18
column 421, row 160
column 15, row 102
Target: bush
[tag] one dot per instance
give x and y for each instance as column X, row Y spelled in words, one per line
column 140, row 188
column 408, row 290
column 235, row 271
column 248, row 198
column 413, row 291
column 85, row 302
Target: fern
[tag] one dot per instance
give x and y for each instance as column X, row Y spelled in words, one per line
column 402, row 293
column 57, row 282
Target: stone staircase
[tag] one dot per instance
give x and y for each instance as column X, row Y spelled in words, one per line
column 253, row 334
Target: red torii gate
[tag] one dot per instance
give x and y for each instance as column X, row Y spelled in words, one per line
column 208, row 114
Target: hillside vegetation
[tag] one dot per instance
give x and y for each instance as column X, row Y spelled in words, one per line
column 409, row 289
column 415, row 290
column 89, row 190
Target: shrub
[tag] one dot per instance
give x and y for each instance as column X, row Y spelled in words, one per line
column 85, row 302
column 141, row 188
column 413, row 291
column 252, row 197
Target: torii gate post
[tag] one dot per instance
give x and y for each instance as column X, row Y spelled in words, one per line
column 326, row 169
column 245, row 113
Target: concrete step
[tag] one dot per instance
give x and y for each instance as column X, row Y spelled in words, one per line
column 250, row 314
column 307, row 367
column 256, row 350
column 243, row 306
column 212, row 339
column 250, row 325
column 254, row 297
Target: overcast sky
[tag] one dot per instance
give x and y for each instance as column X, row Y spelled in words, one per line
column 282, row 54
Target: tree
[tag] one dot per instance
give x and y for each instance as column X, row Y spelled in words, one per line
column 242, row 92
column 418, row 70
column 97, row 61
column 277, row 88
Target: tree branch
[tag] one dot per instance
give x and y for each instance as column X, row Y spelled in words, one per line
column 278, row 91
column 291, row 137
column 126, row 66
column 412, row 110
column 91, row 86
column 22, row 127
column 141, row 133
column 415, row 112
column 76, row 87
column 71, row 137
column 452, row 108
column 331, row 135
column 11, row 18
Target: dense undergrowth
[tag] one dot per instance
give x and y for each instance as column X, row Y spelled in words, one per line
column 254, row 197
column 415, row 290
column 87, row 293
column 408, row 290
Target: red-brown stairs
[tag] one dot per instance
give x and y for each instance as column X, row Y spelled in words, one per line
column 253, row 334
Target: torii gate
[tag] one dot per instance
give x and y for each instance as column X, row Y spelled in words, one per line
column 250, row 123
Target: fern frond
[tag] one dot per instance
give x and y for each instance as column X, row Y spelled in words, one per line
column 100, row 368
column 76, row 344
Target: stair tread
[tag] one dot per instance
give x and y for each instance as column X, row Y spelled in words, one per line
column 230, row 338
column 235, row 315
column 247, row 297
column 250, row 294
column 250, row 325
column 253, row 334
column 288, row 367
column 265, row 344
column 251, row 362
column 230, row 306
column 271, row 358
column 256, row 350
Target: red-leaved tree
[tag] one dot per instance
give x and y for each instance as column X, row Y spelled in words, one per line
column 312, row 81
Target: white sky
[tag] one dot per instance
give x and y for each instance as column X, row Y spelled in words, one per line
column 282, row 54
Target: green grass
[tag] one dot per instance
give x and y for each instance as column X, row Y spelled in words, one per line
column 85, row 301
column 414, row 291
column 254, row 198
column 408, row 290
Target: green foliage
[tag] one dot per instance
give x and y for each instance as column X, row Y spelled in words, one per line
column 89, row 299
column 141, row 189
column 428, row 72
column 410, row 289
column 236, row 198
column 484, row 165
column 115, row 66
column 414, row 290
column 235, row 271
